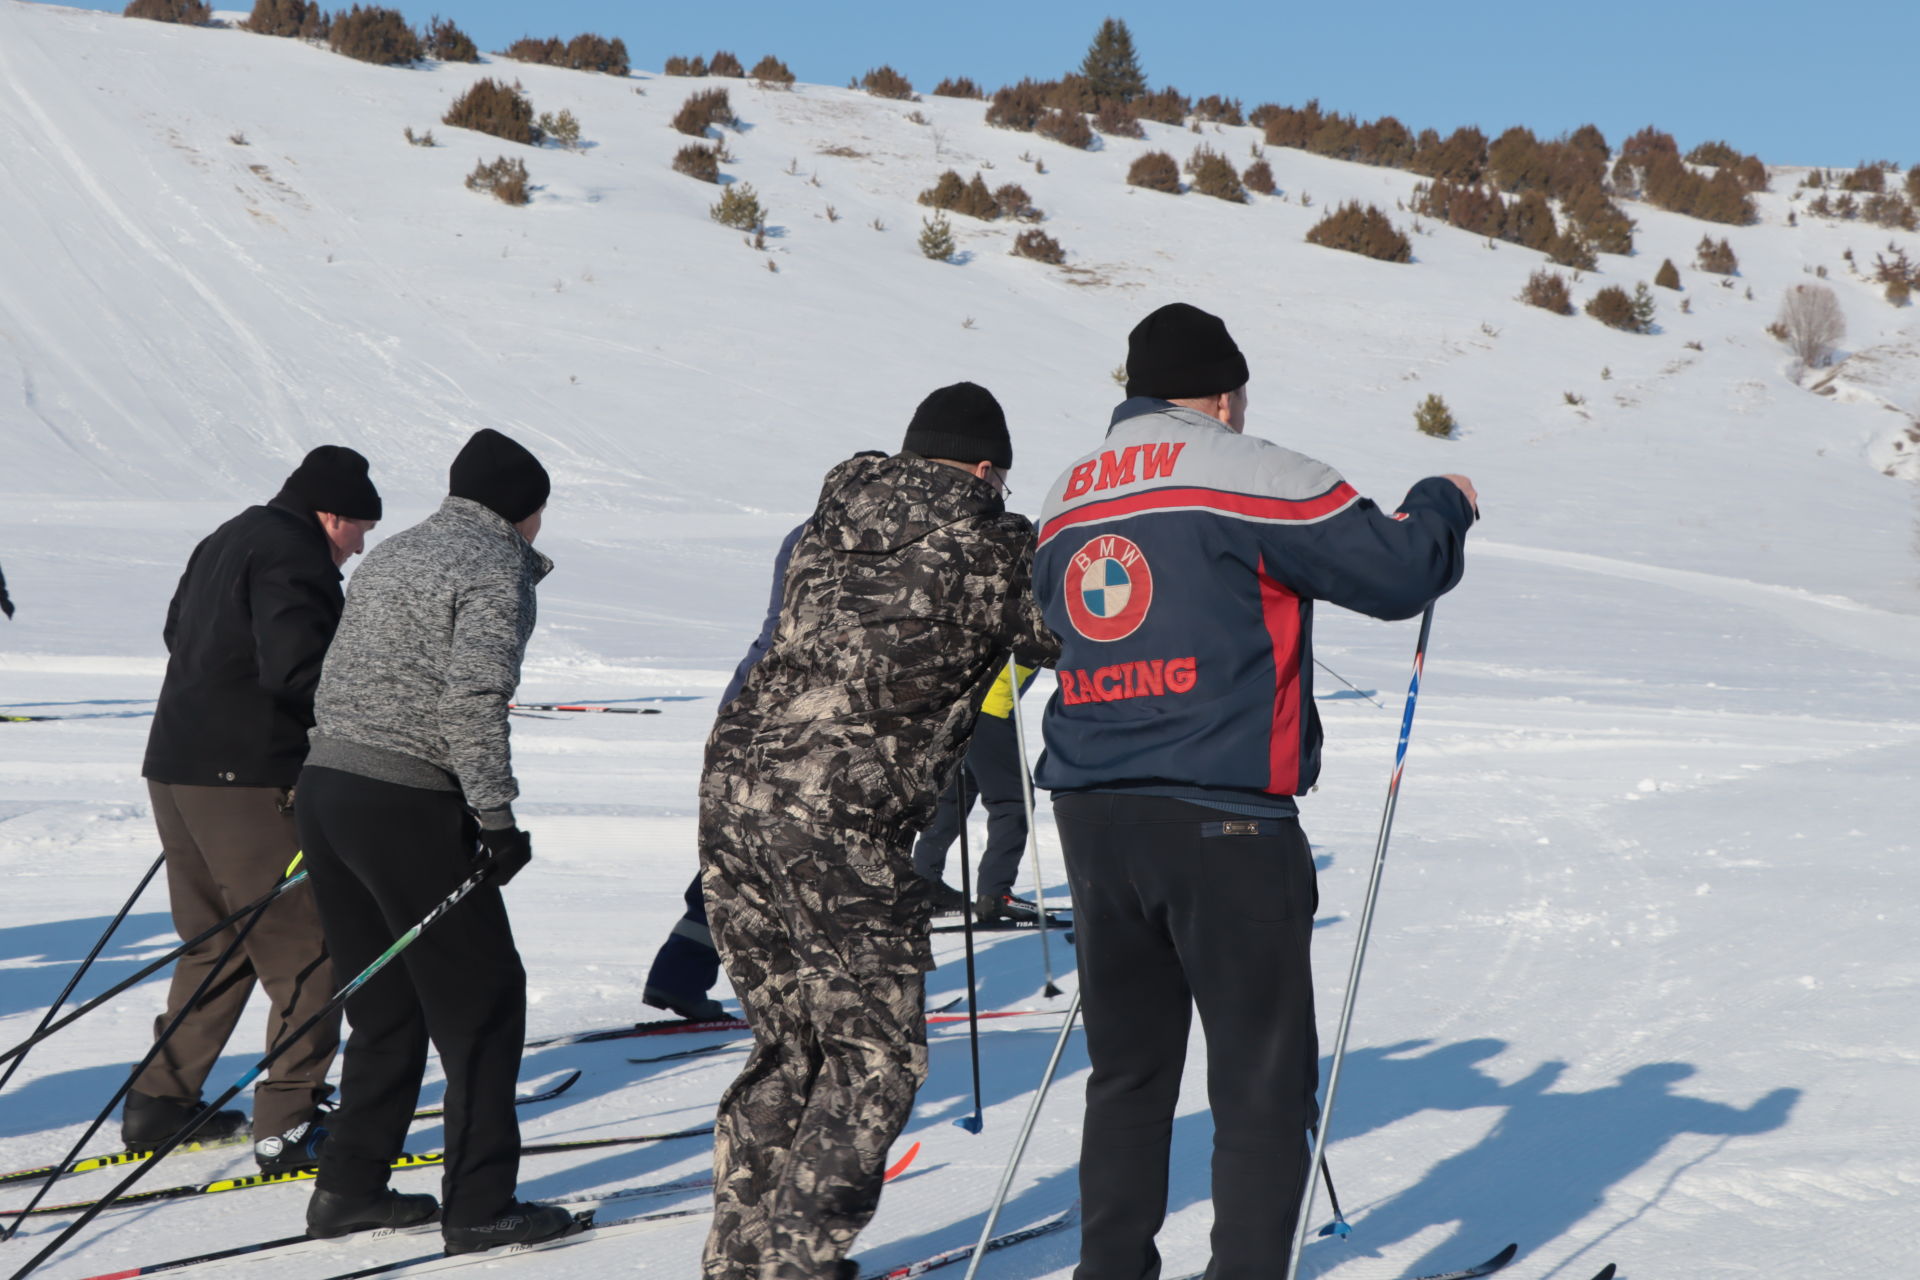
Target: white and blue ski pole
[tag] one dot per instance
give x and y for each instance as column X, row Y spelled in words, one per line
column 1300, row 1226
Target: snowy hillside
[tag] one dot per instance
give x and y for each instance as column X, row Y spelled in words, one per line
column 1641, row 979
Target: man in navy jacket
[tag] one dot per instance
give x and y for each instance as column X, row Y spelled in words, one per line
column 1179, row 563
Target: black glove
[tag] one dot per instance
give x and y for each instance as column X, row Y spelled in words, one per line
column 511, row 850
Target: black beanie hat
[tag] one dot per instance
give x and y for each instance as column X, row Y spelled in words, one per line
column 962, row 423
column 499, row 474
column 1182, row 353
column 333, row 478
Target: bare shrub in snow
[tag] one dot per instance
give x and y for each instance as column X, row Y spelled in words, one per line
column 709, row 107
column 936, row 237
column 1668, row 276
column 738, row 206
column 725, row 64
column 1259, row 177
column 448, row 43
column 1014, row 202
column 1018, row 106
column 495, row 107
column 505, row 179
column 699, row 162
column 1363, row 230
column 1156, row 171
column 1067, row 127
column 190, row 12
column 1213, row 175
column 1116, row 120
column 1814, row 323
column 679, row 66
column 885, row 82
column 958, row 87
column 1715, row 257
column 379, row 36
column 563, row 128
column 953, row 192
column 1434, row 418
column 1548, row 291
column 1038, row 245
column 771, row 71
column 1618, row 309
column 297, row 19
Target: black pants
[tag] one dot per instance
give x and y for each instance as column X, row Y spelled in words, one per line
column 687, row 965
column 991, row 773
column 381, row 856
column 1177, row 905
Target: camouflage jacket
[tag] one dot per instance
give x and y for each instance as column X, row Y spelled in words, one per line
column 903, row 597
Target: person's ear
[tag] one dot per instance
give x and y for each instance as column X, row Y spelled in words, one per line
column 981, row 470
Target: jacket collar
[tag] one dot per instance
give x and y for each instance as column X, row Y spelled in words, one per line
column 484, row 520
column 1141, row 406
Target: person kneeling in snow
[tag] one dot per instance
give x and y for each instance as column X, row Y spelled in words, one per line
column 902, row 598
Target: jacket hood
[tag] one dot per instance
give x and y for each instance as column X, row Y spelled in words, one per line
column 876, row 504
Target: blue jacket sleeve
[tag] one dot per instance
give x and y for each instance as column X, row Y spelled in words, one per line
column 764, row 641
column 1385, row 566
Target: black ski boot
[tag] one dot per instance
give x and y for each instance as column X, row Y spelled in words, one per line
column 518, row 1223
column 148, row 1122
column 947, row 900
column 297, row 1148
column 700, row 1008
column 1004, row 906
column 331, row 1214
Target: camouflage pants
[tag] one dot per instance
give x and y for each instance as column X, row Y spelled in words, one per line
column 824, row 937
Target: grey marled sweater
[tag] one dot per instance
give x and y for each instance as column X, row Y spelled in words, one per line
column 427, row 657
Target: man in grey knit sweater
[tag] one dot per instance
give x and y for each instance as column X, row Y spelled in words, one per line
column 409, row 780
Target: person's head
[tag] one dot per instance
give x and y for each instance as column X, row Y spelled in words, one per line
column 332, row 482
column 1183, row 354
column 501, row 475
column 963, row 426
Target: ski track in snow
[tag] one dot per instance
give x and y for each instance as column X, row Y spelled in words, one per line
column 1641, row 974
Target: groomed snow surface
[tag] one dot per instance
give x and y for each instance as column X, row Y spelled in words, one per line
column 1642, row 980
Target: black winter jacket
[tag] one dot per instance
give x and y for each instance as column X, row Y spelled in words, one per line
column 246, row 633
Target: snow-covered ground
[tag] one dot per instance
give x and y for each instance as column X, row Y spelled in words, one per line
column 1641, row 981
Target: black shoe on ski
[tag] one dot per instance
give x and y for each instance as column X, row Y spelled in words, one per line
column 297, row 1148
column 947, row 900
column 700, row 1008
column 331, row 1214
column 1004, row 906
column 147, row 1122
column 518, row 1223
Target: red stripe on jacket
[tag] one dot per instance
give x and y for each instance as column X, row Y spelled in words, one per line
column 1280, row 609
column 1244, row 505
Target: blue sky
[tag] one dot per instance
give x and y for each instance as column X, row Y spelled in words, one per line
column 1828, row 84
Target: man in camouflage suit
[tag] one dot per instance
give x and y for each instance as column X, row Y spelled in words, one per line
column 903, row 597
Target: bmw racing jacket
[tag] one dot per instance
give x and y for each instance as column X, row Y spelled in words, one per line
column 1179, row 564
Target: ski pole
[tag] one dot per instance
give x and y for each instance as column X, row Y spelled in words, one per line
column 151, row 969
column 86, row 964
column 1300, row 1226
column 1026, row 1132
column 254, row 1072
column 159, row 1042
column 574, row 706
column 1033, row 833
column 1350, row 684
column 974, row 1122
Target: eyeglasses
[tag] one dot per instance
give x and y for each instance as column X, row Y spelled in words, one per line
column 999, row 477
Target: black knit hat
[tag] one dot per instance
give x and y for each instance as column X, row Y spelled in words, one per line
column 1182, row 353
column 499, row 474
column 333, row 478
column 962, row 423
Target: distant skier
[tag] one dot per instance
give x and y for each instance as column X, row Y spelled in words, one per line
column 991, row 773
column 409, row 784
column 1179, row 563
column 246, row 632
column 903, row 596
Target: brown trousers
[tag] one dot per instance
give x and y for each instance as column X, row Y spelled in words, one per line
column 226, row 847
